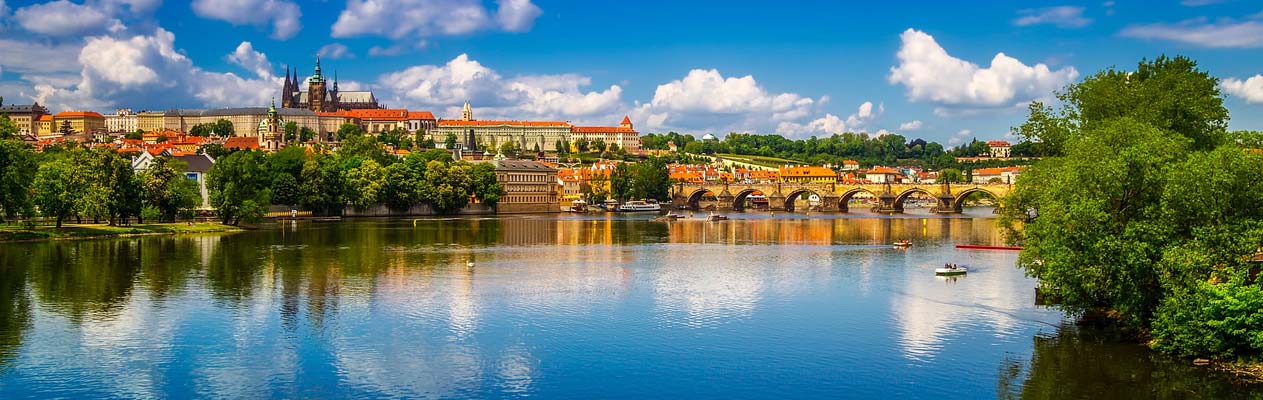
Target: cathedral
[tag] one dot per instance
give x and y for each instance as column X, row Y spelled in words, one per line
column 319, row 96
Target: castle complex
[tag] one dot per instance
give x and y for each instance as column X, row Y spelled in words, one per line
column 320, row 97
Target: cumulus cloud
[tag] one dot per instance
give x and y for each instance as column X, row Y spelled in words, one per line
column 1201, row 32
column 148, row 71
column 910, row 125
column 335, row 51
column 516, row 15
column 1062, row 17
column 928, row 73
column 65, row 19
column 831, row 124
column 247, row 57
column 1250, row 89
column 496, row 96
column 283, row 15
column 418, row 19
column 707, row 99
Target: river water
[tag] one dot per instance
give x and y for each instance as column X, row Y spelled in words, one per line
column 763, row 306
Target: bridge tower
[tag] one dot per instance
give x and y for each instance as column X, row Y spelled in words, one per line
column 888, row 202
column 947, row 201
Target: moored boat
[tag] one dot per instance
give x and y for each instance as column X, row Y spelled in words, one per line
column 903, row 243
column 640, row 206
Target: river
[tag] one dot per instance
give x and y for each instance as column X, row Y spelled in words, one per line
column 762, row 306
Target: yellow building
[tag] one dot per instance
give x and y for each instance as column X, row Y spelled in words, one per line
column 67, row 122
column 44, row 127
column 150, row 121
column 808, row 174
column 25, row 116
column 622, row 135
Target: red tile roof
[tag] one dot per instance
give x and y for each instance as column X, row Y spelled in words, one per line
column 79, row 114
column 379, row 115
column 510, row 123
column 241, row 142
column 998, row 143
column 420, row 115
column 626, row 120
column 601, row 129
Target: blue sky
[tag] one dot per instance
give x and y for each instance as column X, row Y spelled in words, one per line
column 921, row 69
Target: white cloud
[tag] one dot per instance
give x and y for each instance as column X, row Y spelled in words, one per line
column 146, row 71
column 1062, row 17
column 1199, row 3
column 495, row 96
column 283, row 15
column 705, row 98
column 335, row 51
column 910, row 125
column 831, row 124
column 419, row 19
column 1250, row 89
column 1200, row 32
column 516, row 15
column 252, row 60
column 964, row 132
column 63, row 18
column 929, row 74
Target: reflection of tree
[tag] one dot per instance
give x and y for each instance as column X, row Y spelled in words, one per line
column 84, row 277
column 15, row 306
column 1091, row 364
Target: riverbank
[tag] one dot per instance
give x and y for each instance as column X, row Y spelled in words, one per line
column 18, row 233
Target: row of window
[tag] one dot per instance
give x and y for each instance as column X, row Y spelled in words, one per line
column 529, row 199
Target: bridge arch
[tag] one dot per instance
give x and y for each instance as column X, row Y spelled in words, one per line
column 739, row 201
column 847, row 195
column 902, row 197
column 794, row 195
column 695, row 197
column 959, row 202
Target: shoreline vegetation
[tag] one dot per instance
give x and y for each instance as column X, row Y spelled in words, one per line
column 20, row 234
column 1147, row 212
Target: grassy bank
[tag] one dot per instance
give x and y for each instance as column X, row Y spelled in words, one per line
column 17, row 233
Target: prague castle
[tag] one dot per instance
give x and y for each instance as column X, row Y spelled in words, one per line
column 320, row 97
column 529, row 134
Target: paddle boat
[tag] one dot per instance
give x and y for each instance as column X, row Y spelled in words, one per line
column 951, row 269
column 903, row 244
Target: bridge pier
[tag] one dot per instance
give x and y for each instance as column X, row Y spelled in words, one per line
column 947, row 205
column 888, row 203
column 831, row 204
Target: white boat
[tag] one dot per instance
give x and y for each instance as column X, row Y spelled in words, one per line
column 902, row 244
column 716, row 217
column 640, row 206
column 951, row 269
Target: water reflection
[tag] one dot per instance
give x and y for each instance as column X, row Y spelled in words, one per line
column 530, row 306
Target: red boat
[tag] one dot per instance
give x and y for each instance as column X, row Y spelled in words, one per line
column 984, row 247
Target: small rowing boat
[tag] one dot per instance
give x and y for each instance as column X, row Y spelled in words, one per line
column 951, row 269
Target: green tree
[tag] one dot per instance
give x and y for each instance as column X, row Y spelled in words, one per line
column 57, row 189
column 305, row 134
column 17, row 171
column 285, row 190
column 621, row 182
column 399, row 188
column 951, row 175
column 239, row 187
column 450, row 142
column 348, row 130
column 1149, row 212
column 652, row 180
column 446, row 187
column 223, row 128
column 484, row 184
column 8, row 129
column 291, row 131
column 322, row 186
column 561, row 147
column 364, row 183
column 166, row 189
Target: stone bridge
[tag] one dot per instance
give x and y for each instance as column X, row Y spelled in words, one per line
column 834, row 197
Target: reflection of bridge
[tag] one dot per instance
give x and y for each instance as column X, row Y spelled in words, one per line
column 889, row 197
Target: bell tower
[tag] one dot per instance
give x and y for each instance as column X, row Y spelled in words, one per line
column 316, row 90
column 467, row 113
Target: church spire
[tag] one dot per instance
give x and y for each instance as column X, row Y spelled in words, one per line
column 467, row 113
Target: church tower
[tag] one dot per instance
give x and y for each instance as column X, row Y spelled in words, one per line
column 316, row 90
column 626, row 123
column 467, row 114
column 287, row 91
column 270, row 130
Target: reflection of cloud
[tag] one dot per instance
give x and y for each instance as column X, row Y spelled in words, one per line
column 709, row 287
column 931, row 311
